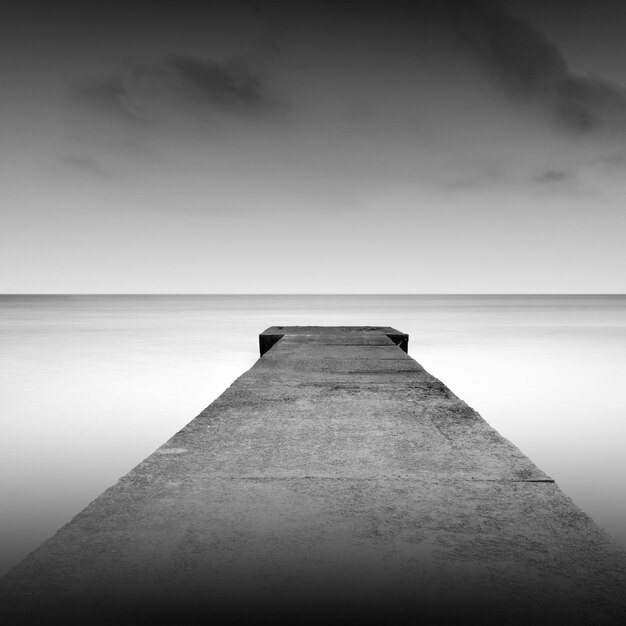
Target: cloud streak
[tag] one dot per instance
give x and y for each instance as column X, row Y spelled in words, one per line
column 174, row 85
column 551, row 177
column 103, row 94
column 85, row 164
column 528, row 66
column 228, row 86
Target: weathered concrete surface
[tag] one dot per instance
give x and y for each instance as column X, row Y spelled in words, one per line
column 335, row 480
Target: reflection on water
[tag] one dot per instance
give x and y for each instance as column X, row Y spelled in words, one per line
column 91, row 385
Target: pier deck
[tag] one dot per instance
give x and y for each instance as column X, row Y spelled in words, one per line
column 335, row 480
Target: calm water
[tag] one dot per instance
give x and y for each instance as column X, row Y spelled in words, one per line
column 91, row 385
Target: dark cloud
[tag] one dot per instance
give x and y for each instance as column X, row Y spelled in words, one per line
column 527, row 65
column 553, row 176
column 587, row 103
column 173, row 85
column 230, row 85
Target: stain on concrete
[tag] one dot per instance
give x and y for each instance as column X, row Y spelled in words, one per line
column 171, row 451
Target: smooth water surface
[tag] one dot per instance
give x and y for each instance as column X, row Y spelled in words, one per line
column 91, row 385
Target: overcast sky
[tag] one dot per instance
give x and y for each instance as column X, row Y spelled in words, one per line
column 296, row 147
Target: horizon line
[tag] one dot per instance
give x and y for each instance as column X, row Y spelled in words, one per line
column 284, row 294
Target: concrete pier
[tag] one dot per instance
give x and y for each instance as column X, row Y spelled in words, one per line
column 336, row 481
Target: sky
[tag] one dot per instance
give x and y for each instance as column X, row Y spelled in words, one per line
column 313, row 147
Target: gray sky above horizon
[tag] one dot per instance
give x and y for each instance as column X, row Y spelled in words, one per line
column 294, row 147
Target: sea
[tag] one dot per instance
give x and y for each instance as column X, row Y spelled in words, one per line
column 91, row 385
